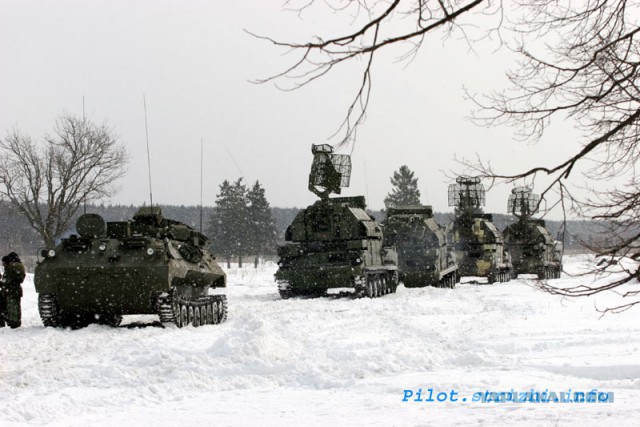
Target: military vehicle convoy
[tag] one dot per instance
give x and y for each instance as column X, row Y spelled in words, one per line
column 478, row 244
column 532, row 249
column 423, row 255
column 151, row 265
column 334, row 243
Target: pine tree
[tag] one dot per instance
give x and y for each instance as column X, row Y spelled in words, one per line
column 228, row 227
column 405, row 189
column 261, row 222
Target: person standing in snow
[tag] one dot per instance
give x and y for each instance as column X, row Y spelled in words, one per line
column 3, row 305
column 11, row 291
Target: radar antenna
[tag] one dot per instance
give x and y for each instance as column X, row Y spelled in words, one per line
column 329, row 172
column 146, row 131
column 522, row 202
column 467, row 194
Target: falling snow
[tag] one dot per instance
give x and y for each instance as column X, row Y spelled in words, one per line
column 334, row 361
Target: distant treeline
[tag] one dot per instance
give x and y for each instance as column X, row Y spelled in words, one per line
column 17, row 235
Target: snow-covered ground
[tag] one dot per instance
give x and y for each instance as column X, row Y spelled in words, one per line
column 332, row 361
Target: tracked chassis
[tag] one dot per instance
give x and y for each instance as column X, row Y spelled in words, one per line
column 150, row 265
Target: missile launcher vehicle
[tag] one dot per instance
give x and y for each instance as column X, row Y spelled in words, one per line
column 151, row 265
column 423, row 255
column 334, row 243
column 478, row 244
column 532, row 249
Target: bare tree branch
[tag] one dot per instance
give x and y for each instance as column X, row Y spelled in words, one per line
column 588, row 72
column 376, row 31
column 579, row 63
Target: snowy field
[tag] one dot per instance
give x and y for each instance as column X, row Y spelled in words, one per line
column 329, row 361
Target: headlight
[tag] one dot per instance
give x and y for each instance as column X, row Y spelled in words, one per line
column 281, row 264
column 102, row 247
column 150, row 251
column 51, row 253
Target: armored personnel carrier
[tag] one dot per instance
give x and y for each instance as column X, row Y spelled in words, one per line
column 423, row 255
column 334, row 243
column 151, row 265
column 530, row 245
column 478, row 244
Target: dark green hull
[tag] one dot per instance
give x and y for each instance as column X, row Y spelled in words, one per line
column 419, row 279
column 335, row 243
column 118, row 289
column 316, row 279
column 147, row 266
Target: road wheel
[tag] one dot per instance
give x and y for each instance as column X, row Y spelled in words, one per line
column 189, row 315
column 196, row 317
column 369, row 290
column 210, row 314
column 48, row 308
column 203, row 315
column 110, row 319
column 184, row 315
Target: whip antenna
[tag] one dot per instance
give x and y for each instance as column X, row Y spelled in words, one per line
column 366, row 179
column 234, row 161
column 146, row 131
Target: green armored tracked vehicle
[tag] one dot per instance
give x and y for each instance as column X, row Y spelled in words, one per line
column 151, row 265
column 423, row 255
column 334, row 243
column 530, row 245
column 478, row 244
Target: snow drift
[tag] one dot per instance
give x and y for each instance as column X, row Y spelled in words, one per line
column 338, row 361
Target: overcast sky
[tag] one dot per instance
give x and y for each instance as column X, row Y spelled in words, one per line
column 193, row 61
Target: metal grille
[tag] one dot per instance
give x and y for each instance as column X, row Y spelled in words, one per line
column 326, row 165
column 466, row 192
column 523, row 202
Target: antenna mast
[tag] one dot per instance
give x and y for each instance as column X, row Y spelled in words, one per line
column 146, row 130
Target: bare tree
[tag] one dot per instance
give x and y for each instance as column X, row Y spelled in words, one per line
column 587, row 72
column 377, row 25
column 48, row 183
column 579, row 61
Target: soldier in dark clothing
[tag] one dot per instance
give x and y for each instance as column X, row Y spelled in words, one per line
column 3, row 305
column 11, row 291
